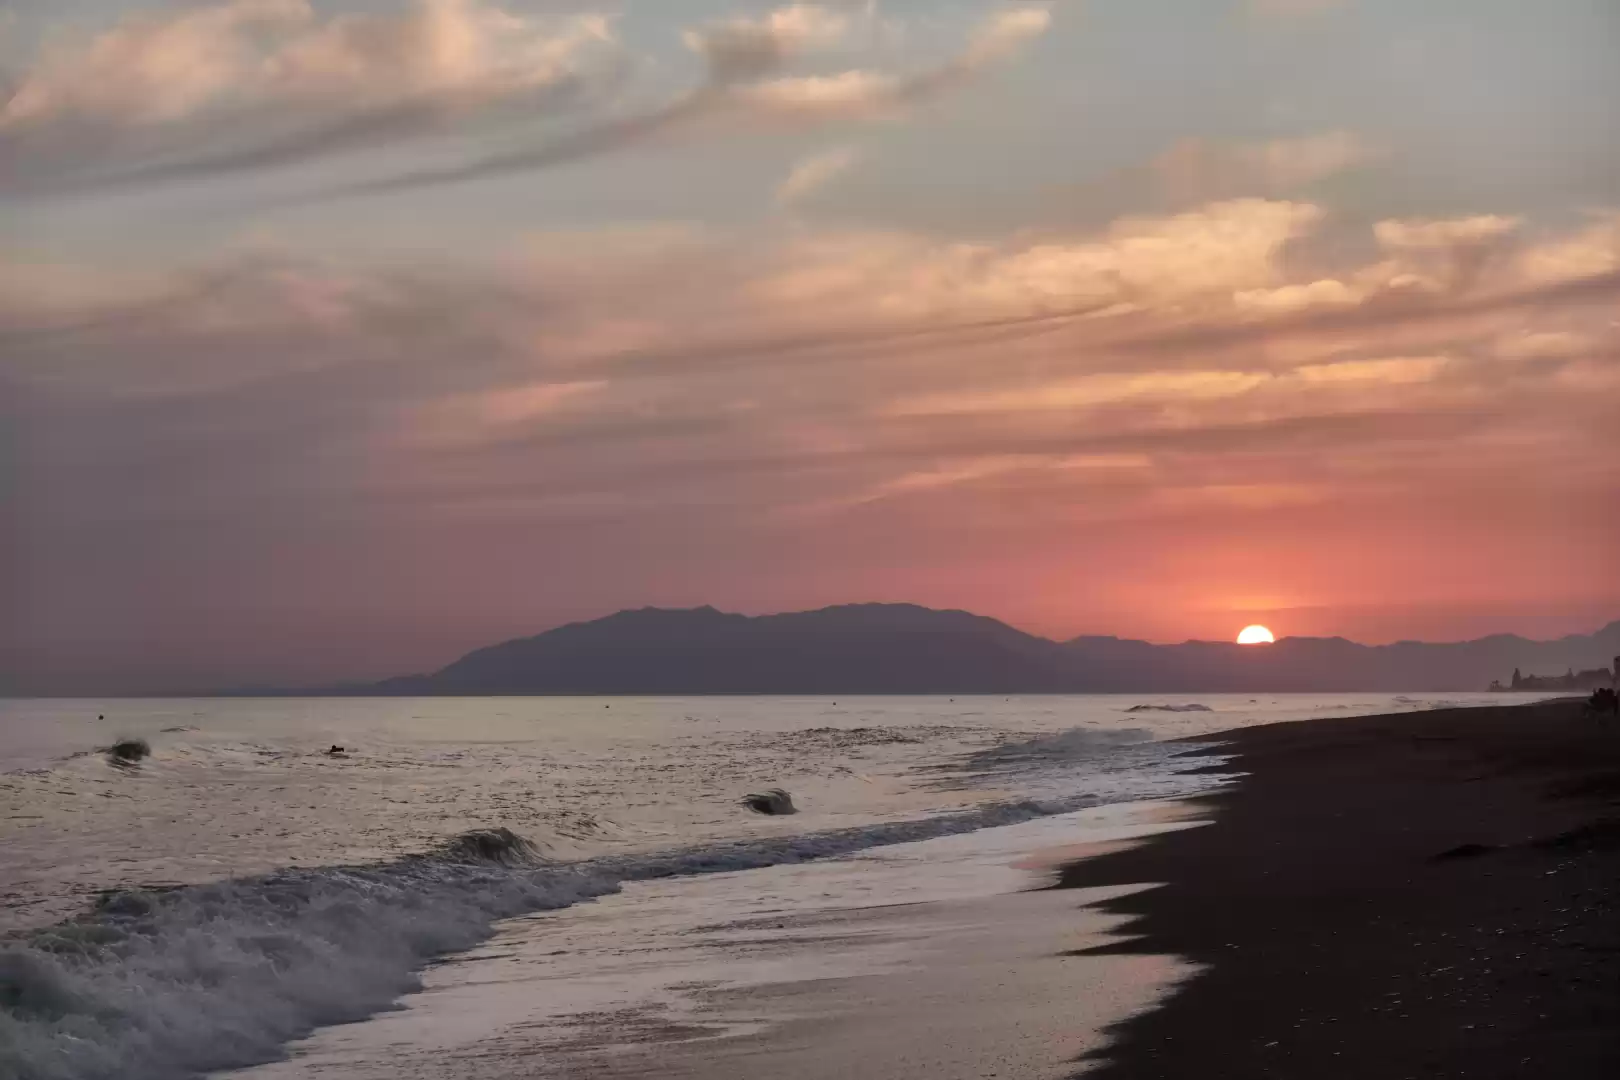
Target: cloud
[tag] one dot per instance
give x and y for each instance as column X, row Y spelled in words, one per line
column 1325, row 292
column 478, row 416
column 1196, row 170
column 1005, row 33
column 815, row 172
column 1000, row 38
column 849, row 93
column 744, row 87
column 151, row 68
column 621, row 313
column 370, row 442
column 1398, row 370
column 1088, row 391
column 246, row 84
column 1432, row 235
column 741, row 49
column 997, row 467
column 1424, row 259
column 1442, row 254
column 1198, row 256
column 1384, row 312
column 242, row 85
column 805, row 25
column 1287, row 163
column 1546, row 345
column 1588, row 252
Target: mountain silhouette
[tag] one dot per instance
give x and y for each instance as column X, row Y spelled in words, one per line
column 907, row 649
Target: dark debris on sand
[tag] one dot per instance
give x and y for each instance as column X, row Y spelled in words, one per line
column 773, row 802
column 128, row 751
column 1424, row 895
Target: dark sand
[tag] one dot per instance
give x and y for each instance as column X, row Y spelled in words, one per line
column 1421, row 895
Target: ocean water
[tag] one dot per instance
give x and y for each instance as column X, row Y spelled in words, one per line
column 242, row 886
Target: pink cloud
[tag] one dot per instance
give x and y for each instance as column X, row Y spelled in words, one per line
column 247, row 84
column 785, row 407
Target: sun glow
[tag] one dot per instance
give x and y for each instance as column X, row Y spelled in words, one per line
column 1255, row 635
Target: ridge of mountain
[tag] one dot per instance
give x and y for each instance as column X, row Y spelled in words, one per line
column 910, row 649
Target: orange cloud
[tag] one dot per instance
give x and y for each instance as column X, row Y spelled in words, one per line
column 1587, row 252
column 1194, row 258
column 848, row 93
column 1398, row 370
column 1143, row 405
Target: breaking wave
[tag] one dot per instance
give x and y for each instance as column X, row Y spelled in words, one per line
column 1059, row 747
column 169, row 983
column 500, row 846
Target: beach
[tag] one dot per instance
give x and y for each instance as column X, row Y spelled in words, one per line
column 1415, row 895
column 242, row 895
column 932, row 960
column 1290, row 886
column 1412, row 896
column 1388, row 896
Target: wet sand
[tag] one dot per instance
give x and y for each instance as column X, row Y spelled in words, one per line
column 944, row 959
column 1414, row 895
column 1425, row 895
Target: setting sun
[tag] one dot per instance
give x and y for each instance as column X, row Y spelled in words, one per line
column 1255, row 635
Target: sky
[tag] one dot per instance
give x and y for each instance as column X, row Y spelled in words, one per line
column 338, row 337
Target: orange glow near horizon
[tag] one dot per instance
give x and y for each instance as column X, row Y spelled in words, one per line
column 1255, row 635
column 659, row 305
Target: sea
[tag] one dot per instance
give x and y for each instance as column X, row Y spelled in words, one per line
column 505, row 887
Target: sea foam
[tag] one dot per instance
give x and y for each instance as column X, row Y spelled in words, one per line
column 170, row 983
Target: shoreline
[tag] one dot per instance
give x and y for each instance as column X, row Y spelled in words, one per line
column 1029, row 983
column 1409, row 895
column 932, row 960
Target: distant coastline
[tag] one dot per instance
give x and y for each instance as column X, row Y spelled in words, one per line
column 1571, row 681
column 880, row 649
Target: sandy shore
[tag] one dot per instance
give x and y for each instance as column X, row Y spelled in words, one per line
column 943, row 959
column 1427, row 895
column 1414, row 895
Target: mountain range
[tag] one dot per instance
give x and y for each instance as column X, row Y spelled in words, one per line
column 907, row 649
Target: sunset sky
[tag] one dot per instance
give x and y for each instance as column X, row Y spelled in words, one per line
column 337, row 338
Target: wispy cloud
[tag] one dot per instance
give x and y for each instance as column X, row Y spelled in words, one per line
column 246, row 84
column 243, row 85
column 745, row 83
column 814, row 173
column 1269, row 360
column 1198, row 169
column 552, row 350
column 539, row 411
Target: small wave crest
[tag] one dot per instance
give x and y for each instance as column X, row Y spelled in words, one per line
column 1058, row 747
column 1404, row 702
column 169, row 983
column 499, row 846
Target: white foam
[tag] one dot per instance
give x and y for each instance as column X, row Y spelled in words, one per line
column 165, row 984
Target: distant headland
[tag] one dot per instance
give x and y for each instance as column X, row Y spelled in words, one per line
column 1571, row 680
column 908, row 649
